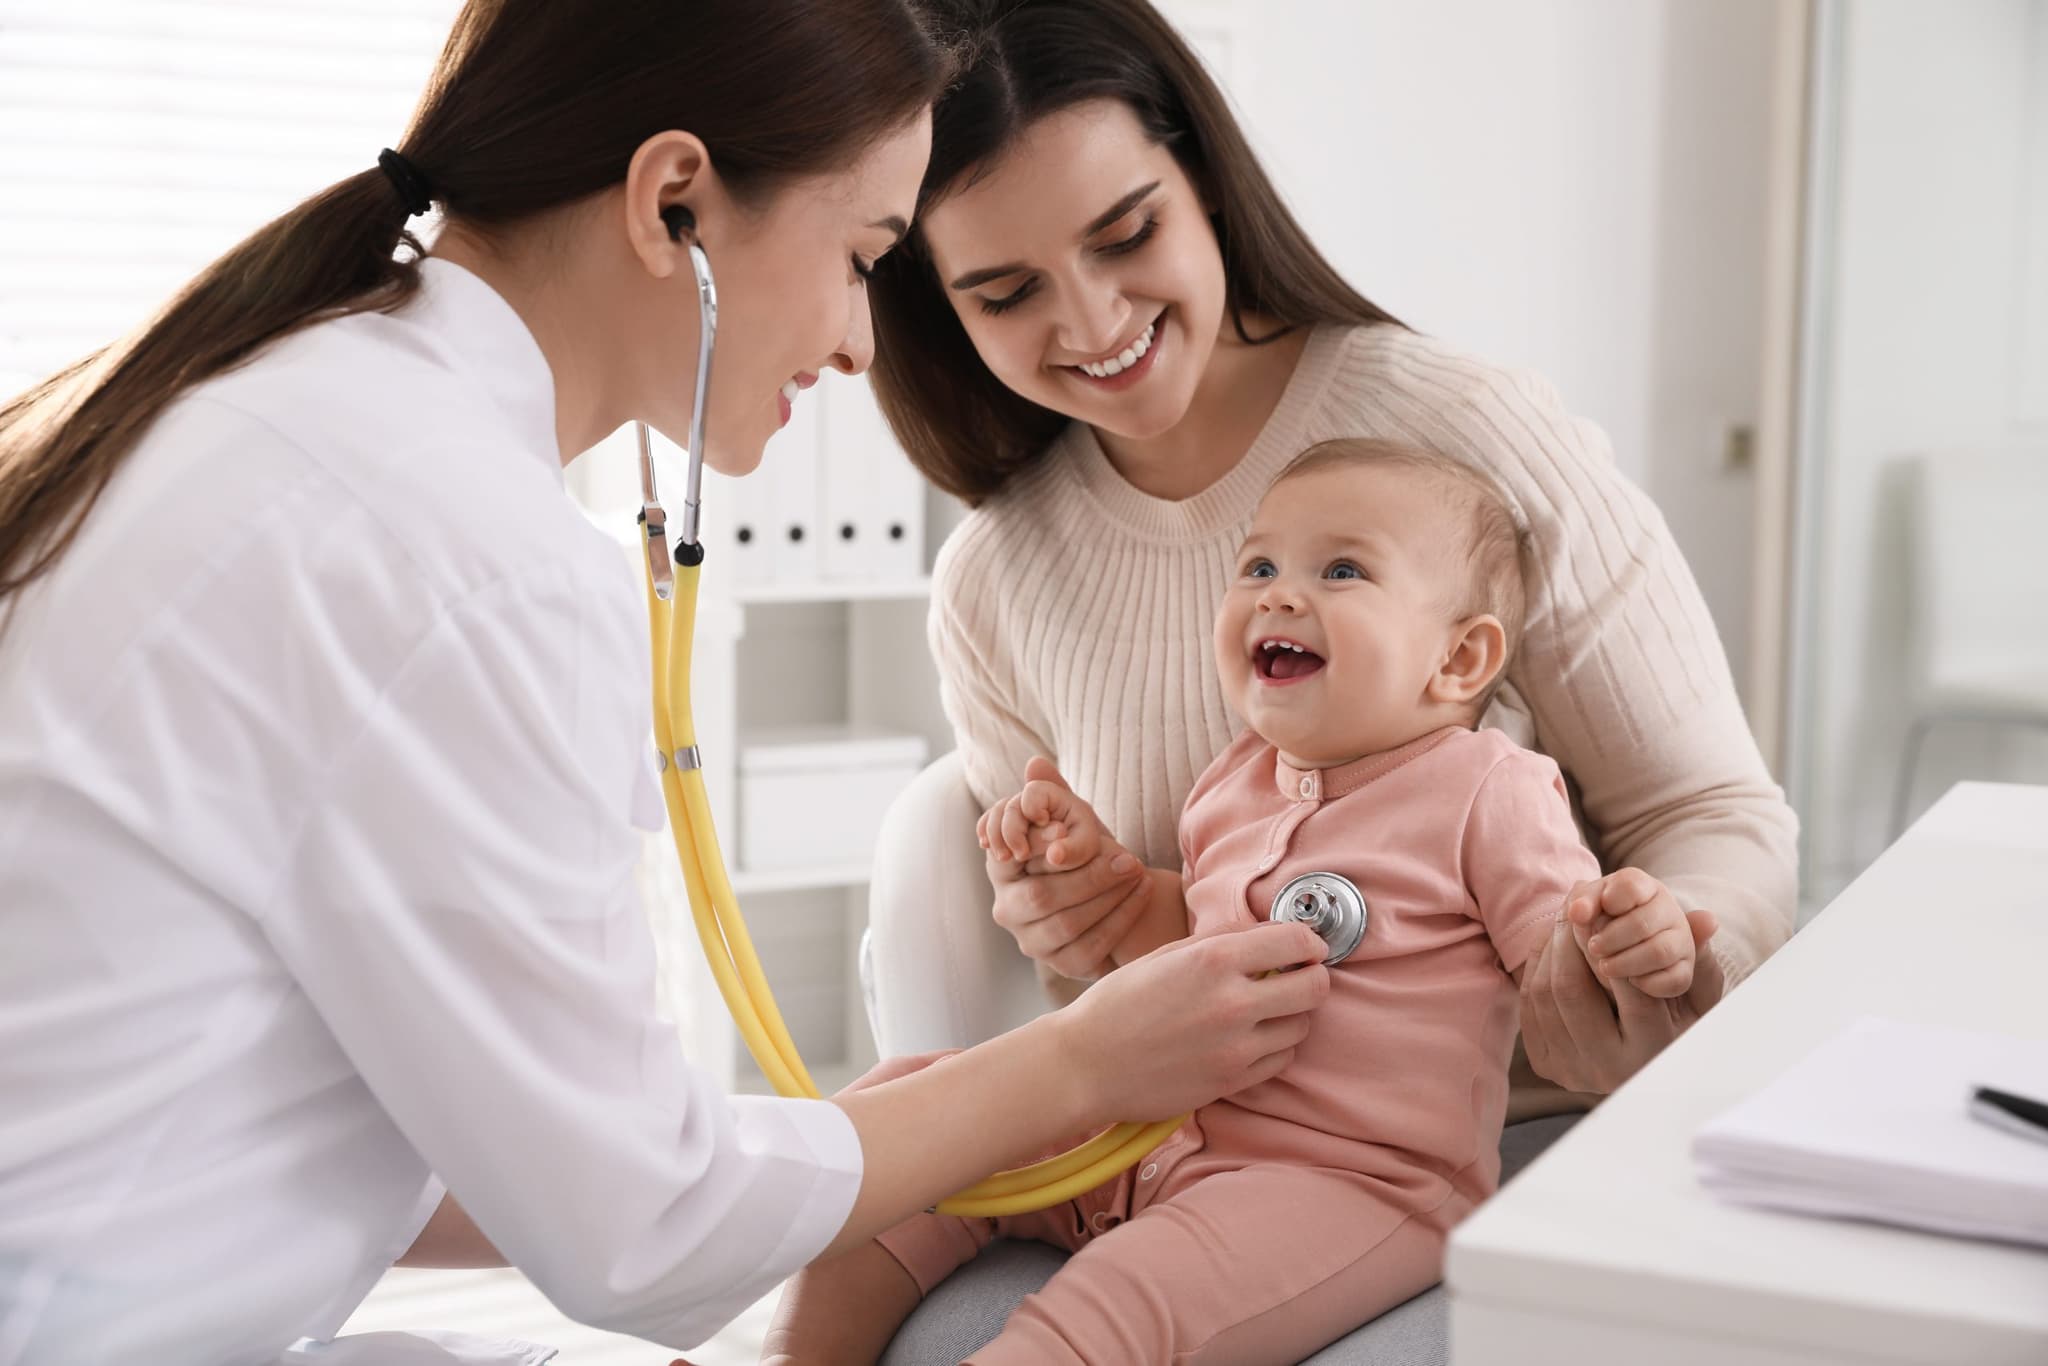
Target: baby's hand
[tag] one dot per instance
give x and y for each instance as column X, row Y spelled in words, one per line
column 1644, row 937
column 1045, row 827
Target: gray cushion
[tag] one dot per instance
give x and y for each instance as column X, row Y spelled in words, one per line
column 970, row 1307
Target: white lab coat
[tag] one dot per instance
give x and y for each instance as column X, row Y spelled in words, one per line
column 323, row 768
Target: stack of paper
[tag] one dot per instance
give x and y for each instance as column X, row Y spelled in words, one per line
column 1874, row 1124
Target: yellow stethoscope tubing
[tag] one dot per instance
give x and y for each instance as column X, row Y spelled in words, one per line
column 735, row 967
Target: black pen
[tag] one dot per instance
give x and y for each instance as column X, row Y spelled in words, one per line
column 2014, row 1114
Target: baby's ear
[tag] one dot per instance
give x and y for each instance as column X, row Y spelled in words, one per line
column 1477, row 652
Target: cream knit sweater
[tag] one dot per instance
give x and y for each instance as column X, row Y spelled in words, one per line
column 1071, row 617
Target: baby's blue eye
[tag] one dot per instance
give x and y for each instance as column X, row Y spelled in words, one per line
column 1260, row 569
column 1344, row 569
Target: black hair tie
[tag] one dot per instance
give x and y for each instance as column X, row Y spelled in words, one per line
column 412, row 186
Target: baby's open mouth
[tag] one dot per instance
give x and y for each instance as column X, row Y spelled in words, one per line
column 1279, row 660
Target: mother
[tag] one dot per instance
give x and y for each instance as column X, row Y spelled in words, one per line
column 1107, row 334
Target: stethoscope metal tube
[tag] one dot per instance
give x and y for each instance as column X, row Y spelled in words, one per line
column 652, row 516
column 671, row 615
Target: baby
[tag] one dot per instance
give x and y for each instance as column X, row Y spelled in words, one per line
column 1377, row 602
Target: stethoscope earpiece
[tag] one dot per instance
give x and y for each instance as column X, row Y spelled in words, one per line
column 678, row 220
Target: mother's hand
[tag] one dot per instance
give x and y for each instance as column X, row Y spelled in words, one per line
column 1069, row 919
column 1586, row 1038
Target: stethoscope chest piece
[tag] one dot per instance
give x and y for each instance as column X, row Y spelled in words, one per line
column 1330, row 905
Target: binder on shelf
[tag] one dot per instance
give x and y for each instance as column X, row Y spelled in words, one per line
column 899, row 516
column 843, row 513
column 747, row 509
column 718, row 528
column 891, row 493
column 789, row 472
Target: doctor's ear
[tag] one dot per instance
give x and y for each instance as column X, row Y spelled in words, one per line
column 668, row 168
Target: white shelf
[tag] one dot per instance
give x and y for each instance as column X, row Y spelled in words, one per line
column 884, row 590
column 745, row 883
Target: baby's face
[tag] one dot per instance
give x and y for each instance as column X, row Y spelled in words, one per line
column 1341, row 612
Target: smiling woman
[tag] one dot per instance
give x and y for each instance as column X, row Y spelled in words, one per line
column 1083, row 145
column 1090, row 196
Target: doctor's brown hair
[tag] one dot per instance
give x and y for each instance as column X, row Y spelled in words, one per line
column 534, row 104
column 1021, row 60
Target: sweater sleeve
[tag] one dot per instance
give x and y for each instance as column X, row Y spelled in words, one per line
column 979, row 695
column 1621, row 664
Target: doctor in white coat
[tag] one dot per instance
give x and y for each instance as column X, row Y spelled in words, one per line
column 324, row 736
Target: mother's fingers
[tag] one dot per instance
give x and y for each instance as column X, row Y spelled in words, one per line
column 1077, row 942
column 1583, row 1005
column 1025, row 900
column 1543, row 1033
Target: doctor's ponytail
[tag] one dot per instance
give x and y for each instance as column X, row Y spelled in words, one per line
column 533, row 105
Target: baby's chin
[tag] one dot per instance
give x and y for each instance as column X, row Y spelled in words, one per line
column 1315, row 741
column 1306, row 744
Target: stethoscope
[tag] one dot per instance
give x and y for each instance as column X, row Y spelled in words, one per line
column 1331, row 905
column 672, row 616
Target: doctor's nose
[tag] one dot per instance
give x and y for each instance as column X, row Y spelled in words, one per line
column 857, row 352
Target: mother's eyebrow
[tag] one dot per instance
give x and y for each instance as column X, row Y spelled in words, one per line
column 1118, row 209
column 1102, row 220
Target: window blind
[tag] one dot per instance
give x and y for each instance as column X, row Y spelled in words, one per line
column 140, row 139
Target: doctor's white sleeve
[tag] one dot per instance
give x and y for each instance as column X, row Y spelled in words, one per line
column 459, row 906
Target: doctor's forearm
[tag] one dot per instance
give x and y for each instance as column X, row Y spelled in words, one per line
column 937, row 1131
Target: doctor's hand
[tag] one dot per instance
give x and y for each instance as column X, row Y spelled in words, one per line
column 1067, row 915
column 1590, row 1038
column 1197, row 1019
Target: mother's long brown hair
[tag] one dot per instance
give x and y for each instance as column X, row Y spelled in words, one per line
column 1022, row 60
column 534, row 104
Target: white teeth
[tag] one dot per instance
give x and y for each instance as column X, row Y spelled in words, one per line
column 1130, row 356
column 1274, row 645
column 790, row 389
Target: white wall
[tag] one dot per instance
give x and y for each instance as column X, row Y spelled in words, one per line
column 1940, row 206
column 1572, row 185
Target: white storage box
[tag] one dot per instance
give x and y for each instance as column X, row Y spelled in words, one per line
column 813, row 796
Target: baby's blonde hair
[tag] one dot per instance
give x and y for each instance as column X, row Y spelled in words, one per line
column 1497, row 548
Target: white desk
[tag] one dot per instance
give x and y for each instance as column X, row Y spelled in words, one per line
column 1606, row 1249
